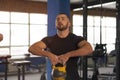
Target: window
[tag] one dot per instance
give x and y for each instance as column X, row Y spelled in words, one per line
column 21, row 30
column 17, row 17
column 38, row 27
column 77, row 24
column 4, row 17
column 93, row 30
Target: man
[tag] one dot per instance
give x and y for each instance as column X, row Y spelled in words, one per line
column 64, row 47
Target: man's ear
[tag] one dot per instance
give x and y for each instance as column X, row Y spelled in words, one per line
column 69, row 23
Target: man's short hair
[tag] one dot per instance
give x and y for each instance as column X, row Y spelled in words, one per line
column 68, row 16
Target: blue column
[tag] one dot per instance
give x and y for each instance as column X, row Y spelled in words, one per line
column 55, row 7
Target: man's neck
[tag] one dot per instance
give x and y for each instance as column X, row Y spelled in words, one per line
column 63, row 34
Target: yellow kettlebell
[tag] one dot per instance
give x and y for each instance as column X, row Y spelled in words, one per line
column 59, row 72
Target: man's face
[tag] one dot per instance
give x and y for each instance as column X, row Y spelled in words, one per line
column 62, row 22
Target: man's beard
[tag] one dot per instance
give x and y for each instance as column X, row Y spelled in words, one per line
column 62, row 28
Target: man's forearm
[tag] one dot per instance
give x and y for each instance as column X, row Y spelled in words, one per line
column 80, row 52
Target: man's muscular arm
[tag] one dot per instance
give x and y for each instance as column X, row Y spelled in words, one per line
column 38, row 48
column 84, row 49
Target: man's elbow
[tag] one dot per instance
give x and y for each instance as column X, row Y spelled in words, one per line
column 90, row 50
column 30, row 49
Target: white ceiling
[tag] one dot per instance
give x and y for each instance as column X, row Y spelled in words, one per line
column 111, row 5
column 72, row 1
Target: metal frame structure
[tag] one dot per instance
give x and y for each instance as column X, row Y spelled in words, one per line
column 85, row 4
column 118, row 40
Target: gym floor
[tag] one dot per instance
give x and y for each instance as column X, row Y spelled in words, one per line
column 36, row 75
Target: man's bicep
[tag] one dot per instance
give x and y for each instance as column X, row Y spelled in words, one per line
column 40, row 44
column 83, row 43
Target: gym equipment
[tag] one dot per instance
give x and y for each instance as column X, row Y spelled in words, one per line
column 21, row 67
column 4, row 61
column 100, row 51
column 59, row 72
column 107, row 76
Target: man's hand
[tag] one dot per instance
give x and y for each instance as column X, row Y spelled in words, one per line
column 63, row 59
column 58, row 59
column 54, row 59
